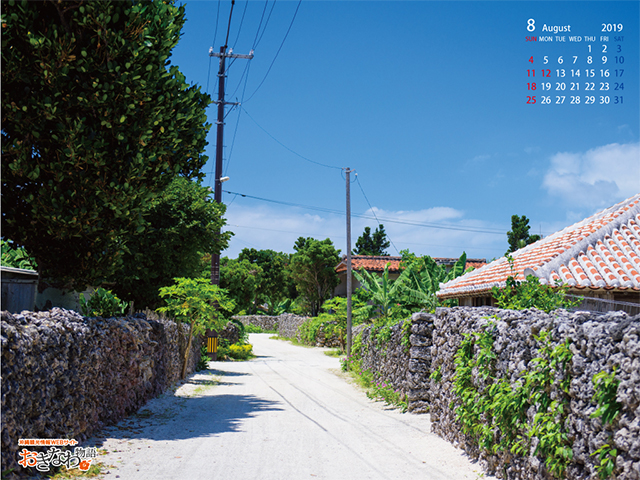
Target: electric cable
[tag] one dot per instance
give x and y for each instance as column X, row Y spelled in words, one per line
column 278, row 52
column 241, row 22
column 255, row 40
column 265, row 25
column 215, row 34
column 379, row 219
column 278, row 141
column 374, row 213
column 235, row 131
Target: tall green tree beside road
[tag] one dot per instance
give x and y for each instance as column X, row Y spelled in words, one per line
column 241, row 279
column 95, row 122
column 275, row 282
column 182, row 223
column 375, row 244
column 313, row 268
column 518, row 237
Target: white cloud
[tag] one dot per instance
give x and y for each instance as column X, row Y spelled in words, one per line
column 596, row 178
column 277, row 228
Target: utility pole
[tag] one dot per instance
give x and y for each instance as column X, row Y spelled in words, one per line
column 215, row 257
column 347, row 172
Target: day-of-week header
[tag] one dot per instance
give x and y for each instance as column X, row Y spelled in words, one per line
column 556, row 28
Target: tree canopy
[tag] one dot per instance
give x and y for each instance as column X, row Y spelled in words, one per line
column 518, row 237
column 241, row 279
column 275, row 283
column 182, row 224
column 95, row 122
column 375, row 244
column 313, row 268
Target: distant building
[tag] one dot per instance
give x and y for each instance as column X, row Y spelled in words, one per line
column 597, row 258
column 377, row 263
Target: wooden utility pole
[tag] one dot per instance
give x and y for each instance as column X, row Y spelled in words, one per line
column 215, row 257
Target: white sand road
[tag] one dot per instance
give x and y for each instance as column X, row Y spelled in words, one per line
column 288, row 414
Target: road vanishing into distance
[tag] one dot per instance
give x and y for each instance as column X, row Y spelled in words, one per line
column 287, row 414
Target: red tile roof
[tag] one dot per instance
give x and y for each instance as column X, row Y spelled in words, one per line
column 600, row 252
column 370, row 263
column 377, row 263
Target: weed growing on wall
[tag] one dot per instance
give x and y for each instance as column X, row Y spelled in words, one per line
column 606, row 389
column 493, row 412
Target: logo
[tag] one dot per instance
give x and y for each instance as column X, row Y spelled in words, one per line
column 80, row 457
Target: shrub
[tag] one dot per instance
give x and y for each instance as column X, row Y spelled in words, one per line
column 102, row 303
column 240, row 352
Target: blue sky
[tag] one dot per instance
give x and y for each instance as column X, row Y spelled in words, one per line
column 427, row 102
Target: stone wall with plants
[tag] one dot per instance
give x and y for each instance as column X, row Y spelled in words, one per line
column 383, row 352
column 531, row 395
column 538, row 395
column 65, row 376
column 265, row 322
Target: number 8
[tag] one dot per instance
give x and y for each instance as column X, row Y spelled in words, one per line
column 531, row 24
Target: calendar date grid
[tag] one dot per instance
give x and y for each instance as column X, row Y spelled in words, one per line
column 585, row 70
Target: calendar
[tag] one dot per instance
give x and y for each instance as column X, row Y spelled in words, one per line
column 577, row 63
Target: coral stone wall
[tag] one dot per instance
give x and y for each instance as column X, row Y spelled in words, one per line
column 65, row 376
column 288, row 324
column 388, row 360
column 266, row 322
column 598, row 342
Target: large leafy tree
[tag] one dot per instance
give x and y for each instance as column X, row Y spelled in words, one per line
column 241, row 279
column 182, row 223
column 313, row 268
column 95, row 121
column 275, row 283
column 518, row 237
column 376, row 244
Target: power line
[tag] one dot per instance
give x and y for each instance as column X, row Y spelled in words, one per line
column 282, row 144
column 235, row 131
column 374, row 213
column 280, row 48
column 215, row 34
column 265, row 25
column 379, row 219
column 255, row 40
column 241, row 22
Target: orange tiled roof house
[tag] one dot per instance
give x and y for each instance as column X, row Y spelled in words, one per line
column 597, row 258
column 377, row 263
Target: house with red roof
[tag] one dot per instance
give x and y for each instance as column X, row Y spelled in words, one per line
column 597, row 258
column 377, row 263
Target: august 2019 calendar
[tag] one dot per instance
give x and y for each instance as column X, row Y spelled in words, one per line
column 577, row 63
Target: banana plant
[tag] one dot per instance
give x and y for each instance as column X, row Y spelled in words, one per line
column 386, row 294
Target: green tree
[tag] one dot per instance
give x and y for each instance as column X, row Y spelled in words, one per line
column 95, row 121
column 196, row 302
column 375, row 244
column 241, row 279
column 182, row 222
column 275, row 282
column 313, row 269
column 518, row 237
